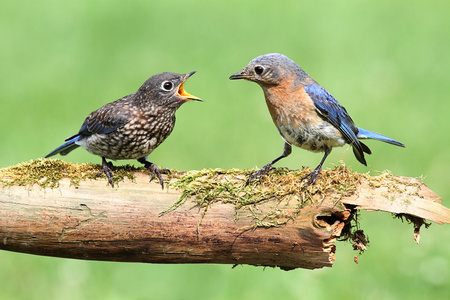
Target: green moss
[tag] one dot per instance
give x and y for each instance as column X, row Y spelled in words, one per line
column 204, row 186
column 48, row 173
column 208, row 186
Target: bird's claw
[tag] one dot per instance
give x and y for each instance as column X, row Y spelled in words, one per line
column 156, row 172
column 106, row 169
column 312, row 178
column 258, row 174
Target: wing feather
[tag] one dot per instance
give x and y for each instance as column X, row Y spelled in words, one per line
column 328, row 107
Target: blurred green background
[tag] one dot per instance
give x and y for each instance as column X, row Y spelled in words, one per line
column 387, row 62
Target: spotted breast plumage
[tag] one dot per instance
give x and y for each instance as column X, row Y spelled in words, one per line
column 305, row 113
column 133, row 126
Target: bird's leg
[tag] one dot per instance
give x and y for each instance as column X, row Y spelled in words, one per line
column 154, row 169
column 314, row 174
column 106, row 169
column 264, row 170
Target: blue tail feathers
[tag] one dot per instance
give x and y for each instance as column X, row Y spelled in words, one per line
column 67, row 147
column 366, row 134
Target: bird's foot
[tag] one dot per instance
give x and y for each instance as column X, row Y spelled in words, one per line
column 156, row 172
column 106, row 169
column 312, row 177
column 258, row 174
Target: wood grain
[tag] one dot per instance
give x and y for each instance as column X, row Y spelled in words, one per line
column 95, row 222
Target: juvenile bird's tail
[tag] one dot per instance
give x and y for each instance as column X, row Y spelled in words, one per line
column 366, row 134
column 67, row 147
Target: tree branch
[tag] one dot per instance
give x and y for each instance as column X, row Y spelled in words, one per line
column 205, row 216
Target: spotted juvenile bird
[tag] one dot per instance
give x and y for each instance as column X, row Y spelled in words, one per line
column 133, row 126
column 306, row 114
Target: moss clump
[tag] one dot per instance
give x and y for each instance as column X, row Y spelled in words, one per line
column 48, row 173
column 208, row 186
column 204, row 186
column 228, row 186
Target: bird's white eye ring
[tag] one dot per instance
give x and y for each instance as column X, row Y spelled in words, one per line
column 167, row 85
column 259, row 70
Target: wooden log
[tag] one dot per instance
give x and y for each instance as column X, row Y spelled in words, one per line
column 138, row 222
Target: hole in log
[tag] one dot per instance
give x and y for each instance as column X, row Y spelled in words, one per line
column 328, row 219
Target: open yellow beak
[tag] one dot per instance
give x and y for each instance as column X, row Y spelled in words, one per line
column 185, row 95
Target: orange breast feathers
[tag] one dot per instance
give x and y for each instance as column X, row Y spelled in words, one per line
column 290, row 105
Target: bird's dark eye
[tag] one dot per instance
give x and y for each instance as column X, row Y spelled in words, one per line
column 167, row 85
column 259, row 70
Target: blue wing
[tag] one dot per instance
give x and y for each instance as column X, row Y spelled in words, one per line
column 333, row 112
column 106, row 119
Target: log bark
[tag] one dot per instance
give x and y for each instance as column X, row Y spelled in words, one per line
column 96, row 222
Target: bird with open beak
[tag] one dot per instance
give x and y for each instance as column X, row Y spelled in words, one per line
column 133, row 126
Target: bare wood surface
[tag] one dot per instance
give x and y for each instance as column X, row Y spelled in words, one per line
column 410, row 198
column 95, row 222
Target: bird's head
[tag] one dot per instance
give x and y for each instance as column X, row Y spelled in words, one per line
column 269, row 69
column 168, row 89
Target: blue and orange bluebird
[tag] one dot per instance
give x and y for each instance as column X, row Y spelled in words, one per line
column 306, row 114
column 133, row 126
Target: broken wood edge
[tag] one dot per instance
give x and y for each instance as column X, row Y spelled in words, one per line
column 411, row 200
column 273, row 232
